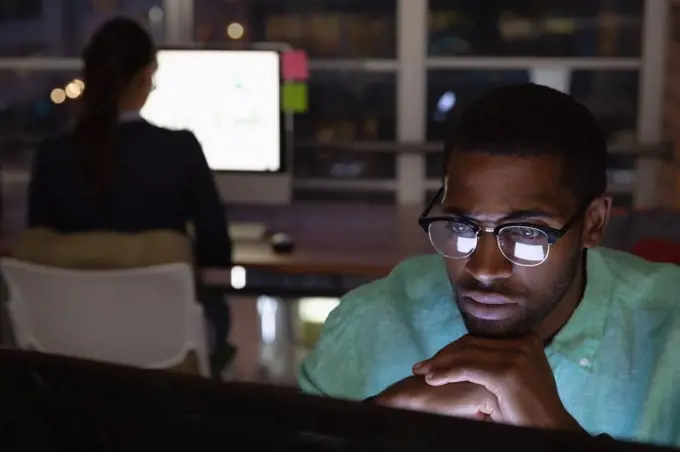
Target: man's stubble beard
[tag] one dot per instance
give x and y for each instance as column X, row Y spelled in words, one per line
column 531, row 313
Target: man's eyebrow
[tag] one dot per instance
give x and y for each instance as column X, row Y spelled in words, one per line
column 517, row 215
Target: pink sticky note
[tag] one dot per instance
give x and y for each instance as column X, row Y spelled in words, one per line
column 294, row 65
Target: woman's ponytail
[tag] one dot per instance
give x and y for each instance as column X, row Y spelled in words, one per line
column 113, row 57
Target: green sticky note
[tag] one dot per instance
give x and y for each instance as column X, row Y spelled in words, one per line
column 294, row 98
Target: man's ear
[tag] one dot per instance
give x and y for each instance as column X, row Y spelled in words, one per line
column 596, row 219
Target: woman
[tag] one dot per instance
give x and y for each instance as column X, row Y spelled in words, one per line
column 116, row 172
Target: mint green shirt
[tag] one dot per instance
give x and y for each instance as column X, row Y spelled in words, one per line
column 616, row 361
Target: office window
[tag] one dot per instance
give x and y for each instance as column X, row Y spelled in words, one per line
column 434, row 165
column 148, row 13
column 619, row 200
column 36, row 105
column 349, row 106
column 63, row 27
column 23, row 49
column 18, row 18
column 374, row 197
column 33, row 106
column 346, row 107
column 552, row 28
column 324, row 28
column 612, row 96
column 20, row 10
column 453, row 89
column 334, row 162
column 621, row 172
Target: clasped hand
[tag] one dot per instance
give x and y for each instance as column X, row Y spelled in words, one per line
column 504, row 380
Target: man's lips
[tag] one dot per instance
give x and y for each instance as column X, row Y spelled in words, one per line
column 487, row 306
column 487, row 298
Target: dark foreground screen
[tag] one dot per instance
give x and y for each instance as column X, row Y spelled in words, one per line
column 67, row 404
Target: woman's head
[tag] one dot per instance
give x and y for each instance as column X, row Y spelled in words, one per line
column 119, row 64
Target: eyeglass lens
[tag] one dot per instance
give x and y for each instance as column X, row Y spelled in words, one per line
column 521, row 245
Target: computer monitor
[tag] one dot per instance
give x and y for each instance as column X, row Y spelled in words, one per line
column 229, row 99
column 80, row 405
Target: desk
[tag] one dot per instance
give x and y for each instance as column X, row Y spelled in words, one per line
column 335, row 239
column 345, row 244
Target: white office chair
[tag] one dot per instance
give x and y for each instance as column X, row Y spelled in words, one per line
column 145, row 317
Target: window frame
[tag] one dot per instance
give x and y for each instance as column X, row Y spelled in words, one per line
column 411, row 65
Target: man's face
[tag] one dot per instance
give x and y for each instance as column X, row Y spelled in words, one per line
column 496, row 297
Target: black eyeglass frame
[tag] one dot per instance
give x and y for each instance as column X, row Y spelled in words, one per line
column 553, row 234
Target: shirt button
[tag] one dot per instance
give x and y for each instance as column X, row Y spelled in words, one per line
column 584, row 362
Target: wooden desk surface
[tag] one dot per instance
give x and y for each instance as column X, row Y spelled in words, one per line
column 344, row 239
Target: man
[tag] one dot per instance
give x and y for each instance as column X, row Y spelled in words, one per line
column 524, row 321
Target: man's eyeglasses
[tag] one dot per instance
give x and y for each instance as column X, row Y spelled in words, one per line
column 523, row 244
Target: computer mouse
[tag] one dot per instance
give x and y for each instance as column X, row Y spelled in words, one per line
column 282, row 243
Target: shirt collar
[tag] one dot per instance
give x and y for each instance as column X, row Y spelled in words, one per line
column 580, row 337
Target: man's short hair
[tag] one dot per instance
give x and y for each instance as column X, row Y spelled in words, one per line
column 530, row 120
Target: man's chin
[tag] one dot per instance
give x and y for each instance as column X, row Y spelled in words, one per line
column 494, row 329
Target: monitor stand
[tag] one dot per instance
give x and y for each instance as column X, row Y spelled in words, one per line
column 259, row 188
column 241, row 231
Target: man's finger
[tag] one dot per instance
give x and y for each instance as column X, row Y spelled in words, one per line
column 470, row 356
column 466, row 400
column 476, row 408
column 443, row 357
column 487, row 374
column 440, row 358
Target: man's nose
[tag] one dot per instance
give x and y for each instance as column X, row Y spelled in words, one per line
column 487, row 263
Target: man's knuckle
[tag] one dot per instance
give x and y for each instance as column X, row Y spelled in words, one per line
column 520, row 358
column 526, row 346
column 511, row 372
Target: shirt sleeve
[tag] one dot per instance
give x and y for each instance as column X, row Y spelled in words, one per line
column 367, row 342
column 307, row 383
column 338, row 365
column 207, row 212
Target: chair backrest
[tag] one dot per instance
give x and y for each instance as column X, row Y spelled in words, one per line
column 145, row 317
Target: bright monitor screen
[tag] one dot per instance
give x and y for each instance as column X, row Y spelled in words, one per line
column 229, row 99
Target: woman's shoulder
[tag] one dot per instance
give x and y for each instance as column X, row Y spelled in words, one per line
column 179, row 136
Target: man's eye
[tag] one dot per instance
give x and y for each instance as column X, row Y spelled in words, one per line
column 458, row 228
column 526, row 234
